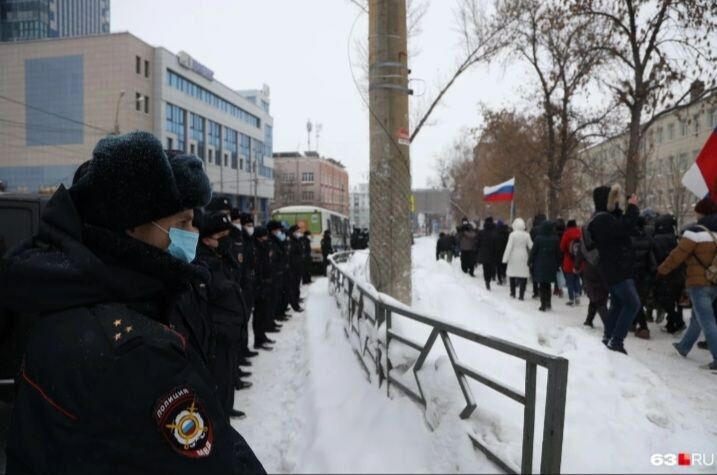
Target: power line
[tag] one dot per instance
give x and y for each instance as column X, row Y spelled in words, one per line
column 15, row 101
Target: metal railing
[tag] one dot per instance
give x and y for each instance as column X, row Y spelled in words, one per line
column 366, row 313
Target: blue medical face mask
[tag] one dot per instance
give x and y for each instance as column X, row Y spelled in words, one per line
column 280, row 236
column 182, row 243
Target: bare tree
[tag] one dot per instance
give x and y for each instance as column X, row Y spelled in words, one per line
column 654, row 44
column 481, row 39
column 559, row 49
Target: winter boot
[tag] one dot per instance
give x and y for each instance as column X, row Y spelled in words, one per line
column 677, row 347
column 702, row 345
column 643, row 333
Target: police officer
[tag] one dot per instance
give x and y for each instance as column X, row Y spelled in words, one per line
column 296, row 266
column 226, row 303
column 264, row 290
column 106, row 386
column 307, row 257
column 279, row 266
column 246, row 254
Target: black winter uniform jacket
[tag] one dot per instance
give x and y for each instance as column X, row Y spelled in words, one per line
column 106, row 387
column 611, row 234
column 226, row 302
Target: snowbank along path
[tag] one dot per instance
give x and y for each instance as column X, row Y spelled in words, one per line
column 311, row 408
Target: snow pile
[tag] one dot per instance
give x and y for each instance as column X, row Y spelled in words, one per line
column 620, row 410
column 312, row 409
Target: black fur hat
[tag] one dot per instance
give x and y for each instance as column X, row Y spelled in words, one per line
column 247, row 218
column 128, row 182
column 219, row 203
column 235, row 214
column 213, row 223
column 193, row 184
column 260, row 232
column 273, row 225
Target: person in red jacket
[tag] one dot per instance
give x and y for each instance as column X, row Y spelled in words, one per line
column 569, row 246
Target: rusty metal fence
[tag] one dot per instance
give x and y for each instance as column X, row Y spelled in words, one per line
column 369, row 327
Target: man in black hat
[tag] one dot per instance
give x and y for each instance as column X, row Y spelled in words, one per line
column 264, row 290
column 226, row 304
column 307, row 256
column 105, row 385
column 296, row 267
column 279, row 265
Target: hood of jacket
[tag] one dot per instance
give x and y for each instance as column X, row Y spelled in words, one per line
column 489, row 223
column 600, row 197
column 72, row 264
column 547, row 228
column 519, row 224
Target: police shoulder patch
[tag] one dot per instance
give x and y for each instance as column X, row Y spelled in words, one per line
column 184, row 423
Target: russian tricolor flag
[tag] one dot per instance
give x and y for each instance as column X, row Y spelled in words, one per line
column 701, row 177
column 502, row 192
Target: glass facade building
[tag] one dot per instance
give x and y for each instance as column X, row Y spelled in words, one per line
column 37, row 19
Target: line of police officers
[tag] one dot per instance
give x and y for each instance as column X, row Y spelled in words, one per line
column 130, row 312
column 255, row 274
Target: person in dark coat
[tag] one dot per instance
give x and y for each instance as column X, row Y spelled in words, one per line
column 296, row 266
column 279, row 271
column 467, row 238
column 545, row 260
column 610, row 230
column 668, row 289
column 537, row 221
column 327, row 248
column 645, row 269
column 502, row 234
column 104, row 381
column 487, row 250
column 444, row 247
column 264, row 305
column 308, row 263
column 226, row 304
column 594, row 288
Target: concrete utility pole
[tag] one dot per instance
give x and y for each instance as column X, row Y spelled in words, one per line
column 390, row 179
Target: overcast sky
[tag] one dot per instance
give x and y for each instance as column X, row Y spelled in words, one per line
column 299, row 48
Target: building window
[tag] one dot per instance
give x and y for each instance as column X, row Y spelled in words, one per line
column 307, row 195
column 213, row 137
column 245, row 146
column 230, row 145
column 684, row 127
column 671, row 132
column 146, row 68
column 210, row 155
column 175, row 124
column 196, row 130
column 659, row 135
column 713, row 118
column 170, row 143
column 146, row 104
column 138, row 101
column 198, row 92
column 307, row 177
column 241, row 164
column 138, row 65
column 696, row 123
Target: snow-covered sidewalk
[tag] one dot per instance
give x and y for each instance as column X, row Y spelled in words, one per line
column 312, row 410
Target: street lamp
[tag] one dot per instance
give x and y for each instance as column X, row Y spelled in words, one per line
column 119, row 100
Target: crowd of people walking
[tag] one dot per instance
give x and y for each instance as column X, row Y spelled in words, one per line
column 634, row 268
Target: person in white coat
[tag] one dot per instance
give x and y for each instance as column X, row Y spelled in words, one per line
column 516, row 256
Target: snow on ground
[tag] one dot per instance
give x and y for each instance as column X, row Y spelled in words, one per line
column 620, row 410
column 312, row 409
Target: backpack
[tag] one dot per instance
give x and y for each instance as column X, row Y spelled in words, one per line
column 587, row 245
column 711, row 270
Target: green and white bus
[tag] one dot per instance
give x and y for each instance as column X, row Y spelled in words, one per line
column 317, row 220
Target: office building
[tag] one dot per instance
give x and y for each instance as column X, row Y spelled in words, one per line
column 59, row 97
column 360, row 206
column 22, row 20
column 311, row 180
column 670, row 145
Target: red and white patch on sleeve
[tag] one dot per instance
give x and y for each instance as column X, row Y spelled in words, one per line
column 184, row 423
